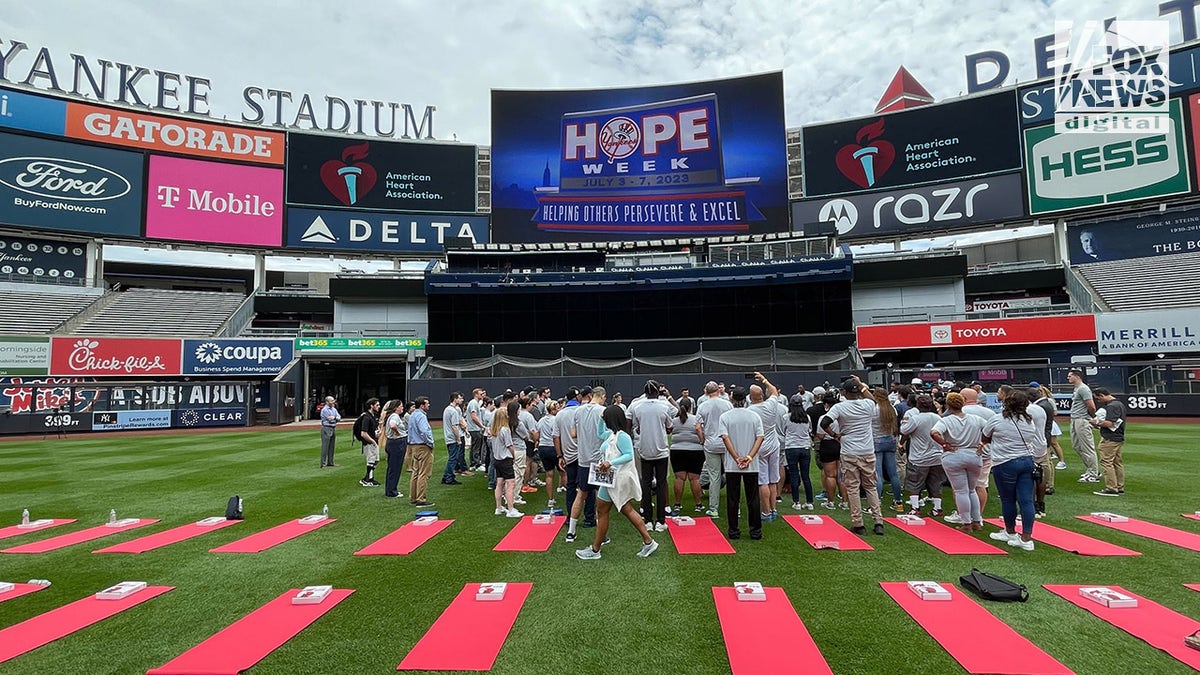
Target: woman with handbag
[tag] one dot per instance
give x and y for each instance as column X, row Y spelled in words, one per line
column 1009, row 435
column 618, row 456
column 960, row 436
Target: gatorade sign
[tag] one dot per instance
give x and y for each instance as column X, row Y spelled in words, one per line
column 1077, row 170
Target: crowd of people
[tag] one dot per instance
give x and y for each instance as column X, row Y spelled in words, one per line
column 596, row 453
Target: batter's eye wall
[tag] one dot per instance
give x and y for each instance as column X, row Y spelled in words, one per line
column 554, row 315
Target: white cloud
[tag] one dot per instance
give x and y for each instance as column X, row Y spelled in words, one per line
column 837, row 57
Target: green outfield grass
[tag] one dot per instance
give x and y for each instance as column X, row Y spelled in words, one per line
column 622, row 613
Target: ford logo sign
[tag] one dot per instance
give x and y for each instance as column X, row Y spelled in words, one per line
column 58, row 178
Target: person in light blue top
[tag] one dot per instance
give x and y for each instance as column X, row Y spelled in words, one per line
column 618, row 456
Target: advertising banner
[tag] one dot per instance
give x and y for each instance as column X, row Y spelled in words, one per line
column 1142, row 236
column 19, row 395
column 20, row 356
column 54, row 185
column 46, row 423
column 1077, row 170
column 207, row 202
column 108, row 356
column 688, row 159
column 181, row 396
column 31, row 112
column 1037, row 101
column 358, row 344
column 128, row 420
column 1011, row 303
column 173, row 134
column 1172, row 405
column 208, row 417
column 42, row 258
column 380, row 232
column 236, row 357
column 979, row 332
column 932, row 144
column 388, row 175
column 929, row 208
column 1150, row 332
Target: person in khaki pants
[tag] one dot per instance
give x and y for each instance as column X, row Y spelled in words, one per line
column 420, row 449
column 1112, row 438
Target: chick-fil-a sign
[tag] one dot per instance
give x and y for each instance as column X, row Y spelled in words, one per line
column 99, row 356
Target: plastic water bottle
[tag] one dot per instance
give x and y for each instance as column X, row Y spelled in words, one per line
column 112, row 516
column 325, row 511
column 25, row 517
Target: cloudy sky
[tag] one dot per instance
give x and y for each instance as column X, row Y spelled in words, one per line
column 837, row 56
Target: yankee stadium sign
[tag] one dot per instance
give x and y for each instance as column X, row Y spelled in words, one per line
column 144, row 87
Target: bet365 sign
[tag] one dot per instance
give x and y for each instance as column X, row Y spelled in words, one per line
column 1125, row 164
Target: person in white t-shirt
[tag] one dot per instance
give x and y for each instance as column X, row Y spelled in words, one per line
column 853, row 417
column 741, row 431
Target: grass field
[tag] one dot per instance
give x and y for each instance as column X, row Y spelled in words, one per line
column 619, row 613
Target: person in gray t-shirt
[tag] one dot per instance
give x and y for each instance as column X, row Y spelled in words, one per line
column 1083, row 406
column 741, row 430
column 710, row 410
column 651, row 418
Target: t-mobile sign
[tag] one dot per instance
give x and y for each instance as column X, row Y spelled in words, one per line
column 209, row 202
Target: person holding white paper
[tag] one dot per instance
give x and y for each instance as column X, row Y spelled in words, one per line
column 617, row 447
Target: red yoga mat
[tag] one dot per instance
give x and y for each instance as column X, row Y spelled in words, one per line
column 13, row 531
column 19, row 590
column 1142, row 528
column 406, row 539
column 251, row 638
column 525, row 536
column 1185, row 515
column 766, row 637
column 64, row 540
column 702, row 538
column 45, row 628
column 264, row 540
column 160, row 539
column 487, row 623
column 1194, row 587
column 1149, row 621
column 973, row 636
column 1071, row 541
column 947, row 539
column 829, row 530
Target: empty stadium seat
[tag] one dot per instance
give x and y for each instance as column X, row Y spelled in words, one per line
column 38, row 312
column 145, row 311
column 1141, row 283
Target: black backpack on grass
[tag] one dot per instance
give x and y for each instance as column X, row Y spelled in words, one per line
column 233, row 510
column 992, row 587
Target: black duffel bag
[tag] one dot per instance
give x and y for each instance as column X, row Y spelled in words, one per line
column 992, row 587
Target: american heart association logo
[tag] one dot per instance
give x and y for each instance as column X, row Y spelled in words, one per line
column 349, row 178
column 866, row 161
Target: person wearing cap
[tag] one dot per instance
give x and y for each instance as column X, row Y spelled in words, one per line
column 1110, row 420
column 1083, row 406
column 854, row 417
column 710, row 410
column 566, row 448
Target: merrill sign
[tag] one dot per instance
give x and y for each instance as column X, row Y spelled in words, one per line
column 1149, row 332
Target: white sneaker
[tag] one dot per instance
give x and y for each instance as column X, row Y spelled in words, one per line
column 647, row 549
column 660, row 527
column 807, row 506
column 501, row 511
column 1018, row 542
column 1004, row 536
column 797, row 506
column 519, row 502
column 560, row 488
column 587, row 554
column 513, row 513
column 1061, row 466
column 550, row 504
column 712, row 513
column 953, row 518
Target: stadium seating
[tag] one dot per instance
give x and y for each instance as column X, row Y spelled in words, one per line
column 40, row 310
column 1126, row 285
column 144, row 311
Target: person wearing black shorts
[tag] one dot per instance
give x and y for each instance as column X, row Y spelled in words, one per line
column 829, row 452
column 687, row 455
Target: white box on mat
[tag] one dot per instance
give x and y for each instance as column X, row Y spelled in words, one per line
column 929, row 590
column 491, row 592
column 121, row 590
column 312, row 595
column 1108, row 597
column 750, row 591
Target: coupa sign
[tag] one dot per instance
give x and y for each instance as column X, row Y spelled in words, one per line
column 1077, row 170
column 236, row 357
